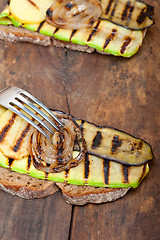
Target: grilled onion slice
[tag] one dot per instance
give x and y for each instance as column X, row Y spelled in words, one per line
column 73, row 14
column 131, row 14
column 56, row 155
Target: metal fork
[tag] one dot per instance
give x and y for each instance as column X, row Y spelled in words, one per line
column 15, row 99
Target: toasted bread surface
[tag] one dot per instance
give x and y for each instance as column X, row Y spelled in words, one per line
column 18, row 34
column 29, row 188
column 81, row 195
column 25, row 186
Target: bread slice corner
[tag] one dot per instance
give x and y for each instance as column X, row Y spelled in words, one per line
column 25, row 186
column 19, row 34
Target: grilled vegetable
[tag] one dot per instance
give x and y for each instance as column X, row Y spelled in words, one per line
column 92, row 170
column 33, row 11
column 74, row 14
column 56, row 155
column 112, row 144
column 103, row 35
column 132, row 14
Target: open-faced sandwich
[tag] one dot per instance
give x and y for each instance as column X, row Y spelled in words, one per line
column 108, row 26
column 87, row 162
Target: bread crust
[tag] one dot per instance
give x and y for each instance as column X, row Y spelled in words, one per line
column 18, row 34
column 81, row 195
column 25, row 186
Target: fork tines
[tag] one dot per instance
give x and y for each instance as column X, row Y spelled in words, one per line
column 31, row 107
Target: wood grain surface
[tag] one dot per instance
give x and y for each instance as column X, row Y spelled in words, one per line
column 107, row 90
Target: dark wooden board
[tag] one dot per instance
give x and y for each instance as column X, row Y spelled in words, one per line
column 107, row 90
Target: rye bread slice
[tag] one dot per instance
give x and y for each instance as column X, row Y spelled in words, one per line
column 25, row 186
column 28, row 187
column 19, row 34
column 81, row 195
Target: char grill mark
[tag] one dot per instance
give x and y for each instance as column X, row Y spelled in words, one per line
column 146, row 12
column 133, row 146
column 143, row 172
column 140, row 144
column 46, row 175
column 29, row 162
column 49, row 13
column 130, row 13
column 72, row 34
column 56, row 30
column 91, row 21
column 81, row 125
column 97, row 140
column 95, row 29
column 39, row 149
column 116, row 143
column 110, row 38
column 127, row 12
column 125, row 44
column 69, row 6
column 33, row 4
column 40, row 26
column 106, row 166
column 141, row 17
column 66, row 174
column 59, row 161
column 137, row 146
column 125, row 172
column 73, row 164
column 60, row 149
column 10, row 161
column 60, row 144
column 114, row 9
column 6, row 128
column 36, row 163
column 86, row 167
column 108, row 7
column 17, row 146
column 76, row 144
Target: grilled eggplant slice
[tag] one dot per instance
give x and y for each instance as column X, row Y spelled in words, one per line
column 132, row 14
column 103, row 36
column 111, row 144
column 92, row 170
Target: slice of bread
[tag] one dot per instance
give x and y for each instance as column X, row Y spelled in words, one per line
column 25, row 186
column 28, row 187
column 17, row 34
column 81, row 195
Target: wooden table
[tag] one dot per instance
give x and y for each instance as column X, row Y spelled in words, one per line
column 107, row 90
